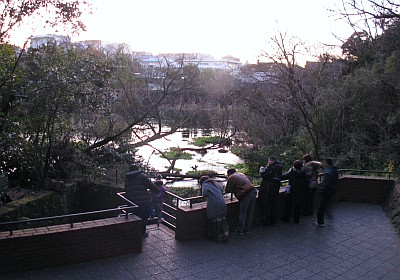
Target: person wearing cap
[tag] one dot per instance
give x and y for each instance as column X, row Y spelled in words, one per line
column 137, row 186
column 244, row 191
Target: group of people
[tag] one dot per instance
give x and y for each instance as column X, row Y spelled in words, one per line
column 303, row 185
column 301, row 190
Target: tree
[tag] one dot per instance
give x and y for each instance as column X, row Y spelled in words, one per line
column 142, row 102
column 16, row 12
column 293, row 96
column 54, row 13
column 59, row 85
column 10, row 80
column 380, row 12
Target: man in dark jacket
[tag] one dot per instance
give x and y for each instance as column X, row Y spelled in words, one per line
column 326, row 189
column 298, row 185
column 137, row 186
column 269, row 191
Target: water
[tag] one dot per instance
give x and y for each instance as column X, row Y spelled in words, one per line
column 212, row 160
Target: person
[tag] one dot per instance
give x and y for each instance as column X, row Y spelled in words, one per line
column 326, row 190
column 137, row 185
column 311, row 166
column 4, row 198
column 157, row 201
column 244, row 191
column 269, row 191
column 217, row 226
column 295, row 198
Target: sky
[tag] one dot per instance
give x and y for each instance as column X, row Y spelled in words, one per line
column 240, row 28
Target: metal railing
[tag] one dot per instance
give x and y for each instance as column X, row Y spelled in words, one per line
column 388, row 174
column 284, row 183
column 169, row 210
column 72, row 218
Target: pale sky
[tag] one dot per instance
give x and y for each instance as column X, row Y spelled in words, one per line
column 240, row 28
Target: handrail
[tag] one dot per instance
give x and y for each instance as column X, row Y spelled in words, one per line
column 124, row 208
column 389, row 173
column 341, row 171
column 121, row 208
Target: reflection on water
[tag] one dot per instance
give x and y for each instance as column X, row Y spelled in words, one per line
column 212, row 160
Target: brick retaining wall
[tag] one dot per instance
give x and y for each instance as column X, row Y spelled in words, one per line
column 374, row 190
column 191, row 223
column 55, row 245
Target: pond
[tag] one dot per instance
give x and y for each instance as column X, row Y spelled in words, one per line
column 211, row 160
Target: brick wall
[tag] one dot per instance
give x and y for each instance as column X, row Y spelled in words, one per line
column 61, row 244
column 364, row 189
column 191, row 223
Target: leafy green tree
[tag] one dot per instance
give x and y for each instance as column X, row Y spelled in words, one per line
column 13, row 14
column 60, row 86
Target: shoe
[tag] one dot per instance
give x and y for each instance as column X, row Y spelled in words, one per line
column 318, row 225
column 247, row 232
column 240, row 233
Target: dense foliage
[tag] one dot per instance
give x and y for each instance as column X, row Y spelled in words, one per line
column 71, row 111
column 345, row 108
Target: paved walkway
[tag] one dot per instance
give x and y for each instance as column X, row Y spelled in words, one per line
column 360, row 243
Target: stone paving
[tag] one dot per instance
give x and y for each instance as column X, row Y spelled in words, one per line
column 359, row 243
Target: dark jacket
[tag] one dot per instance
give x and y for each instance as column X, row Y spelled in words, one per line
column 272, row 174
column 137, row 185
column 329, row 182
column 297, row 181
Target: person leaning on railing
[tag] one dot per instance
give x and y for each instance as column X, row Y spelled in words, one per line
column 137, row 185
column 217, row 226
column 244, row 191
